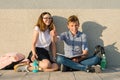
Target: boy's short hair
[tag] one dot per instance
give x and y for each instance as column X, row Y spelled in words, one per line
column 73, row 18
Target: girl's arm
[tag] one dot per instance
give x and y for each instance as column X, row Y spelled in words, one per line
column 34, row 40
column 53, row 34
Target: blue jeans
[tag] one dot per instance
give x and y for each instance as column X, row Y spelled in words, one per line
column 78, row 66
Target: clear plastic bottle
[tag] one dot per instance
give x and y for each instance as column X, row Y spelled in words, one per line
column 35, row 66
column 103, row 62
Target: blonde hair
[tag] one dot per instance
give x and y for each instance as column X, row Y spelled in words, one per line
column 42, row 25
column 73, row 18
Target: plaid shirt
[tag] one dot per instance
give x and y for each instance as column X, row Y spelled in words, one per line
column 73, row 45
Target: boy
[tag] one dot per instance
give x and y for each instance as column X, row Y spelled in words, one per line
column 75, row 48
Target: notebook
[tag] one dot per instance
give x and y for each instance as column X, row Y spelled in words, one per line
column 69, row 56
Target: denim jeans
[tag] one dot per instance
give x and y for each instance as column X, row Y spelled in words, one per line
column 78, row 66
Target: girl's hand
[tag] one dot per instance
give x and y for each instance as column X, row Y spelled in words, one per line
column 54, row 59
column 34, row 57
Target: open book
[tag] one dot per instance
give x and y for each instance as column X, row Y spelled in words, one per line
column 69, row 56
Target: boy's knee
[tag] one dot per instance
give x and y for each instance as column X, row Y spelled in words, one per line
column 60, row 59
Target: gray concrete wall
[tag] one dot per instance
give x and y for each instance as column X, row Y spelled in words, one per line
column 99, row 21
column 101, row 26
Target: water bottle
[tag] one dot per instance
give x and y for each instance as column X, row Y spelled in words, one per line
column 103, row 62
column 35, row 66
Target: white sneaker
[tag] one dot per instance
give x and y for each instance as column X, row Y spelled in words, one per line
column 97, row 68
column 21, row 68
column 94, row 68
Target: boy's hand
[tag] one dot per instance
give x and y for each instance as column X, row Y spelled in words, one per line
column 75, row 59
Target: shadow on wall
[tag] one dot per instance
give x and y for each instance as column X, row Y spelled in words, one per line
column 94, row 31
column 60, row 23
column 61, row 26
column 113, row 55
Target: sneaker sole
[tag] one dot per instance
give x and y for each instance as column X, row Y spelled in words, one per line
column 19, row 65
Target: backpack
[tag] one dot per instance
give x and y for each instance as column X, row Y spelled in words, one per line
column 8, row 60
column 99, row 49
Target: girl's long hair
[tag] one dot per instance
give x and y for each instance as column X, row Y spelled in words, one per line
column 42, row 25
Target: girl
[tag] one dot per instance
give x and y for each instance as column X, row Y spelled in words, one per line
column 43, row 36
column 43, row 39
